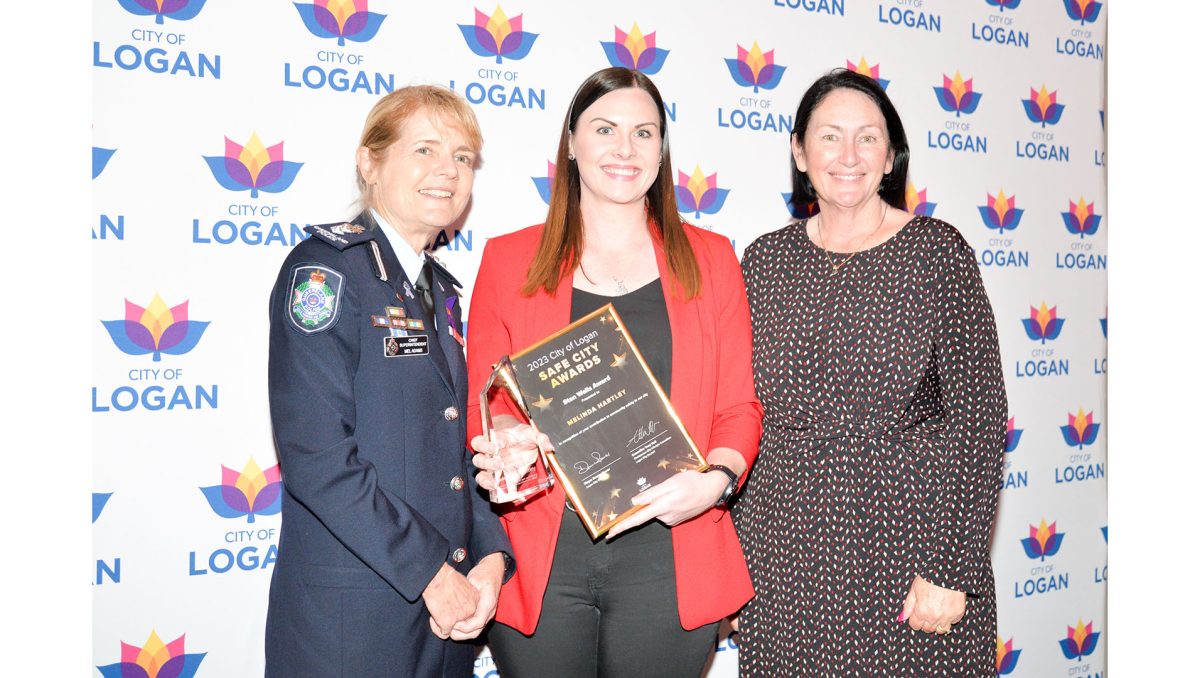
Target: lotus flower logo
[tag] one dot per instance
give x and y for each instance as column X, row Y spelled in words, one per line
column 1080, row 641
column 498, row 36
column 1043, row 541
column 699, row 194
column 956, row 96
column 154, row 660
column 1080, row 430
column 1081, row 218
column 635, row 51
column 100, row 158
column 1043, row 106
column 1004, row 4
column 804, row 211
column 1104, row 531
column 755, row 68
column 1001, row 212
column 1043, row 324
column 916, row 203
column 1012, row 437
column 1104, row 324
column 543, row 184
column 1083, row 11
column 253, row 167
column 253, row 492
column 1006, row 656
column 179, row 10
column 155, row 329
column 99, row 500
column 341, row 19
column 863, row 68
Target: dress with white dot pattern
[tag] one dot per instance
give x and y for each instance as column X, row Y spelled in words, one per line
column 883, row 429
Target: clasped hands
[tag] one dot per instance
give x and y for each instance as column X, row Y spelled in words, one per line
column 931, row 608
column 460, row 607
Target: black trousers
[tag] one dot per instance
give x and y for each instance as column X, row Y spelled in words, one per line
column 610, row 611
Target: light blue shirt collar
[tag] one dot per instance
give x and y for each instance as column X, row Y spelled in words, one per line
column 411, row 261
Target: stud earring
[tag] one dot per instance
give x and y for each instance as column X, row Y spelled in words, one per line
column 570, row 156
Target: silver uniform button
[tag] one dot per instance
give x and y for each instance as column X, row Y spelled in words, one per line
column 459, row 555
column 456, row 483
column 450, row 413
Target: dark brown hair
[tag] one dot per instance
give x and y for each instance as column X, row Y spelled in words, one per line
column 561, row 245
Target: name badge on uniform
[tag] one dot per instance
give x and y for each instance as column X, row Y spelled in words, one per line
column 414, row 344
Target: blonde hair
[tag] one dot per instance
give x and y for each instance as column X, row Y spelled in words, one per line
column 383, row 124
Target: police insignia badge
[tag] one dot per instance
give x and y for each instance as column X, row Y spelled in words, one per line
column 347, row 229
column 316, row 293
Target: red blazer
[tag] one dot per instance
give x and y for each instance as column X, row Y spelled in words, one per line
column 712, row 389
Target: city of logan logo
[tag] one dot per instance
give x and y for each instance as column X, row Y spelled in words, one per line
column 498, row 36
column 252, row 492
column 155, row 329
column 545, row 183
column 635, row 51
column 1043, row 541
column 1042, row 106
column 1083, row 11
column 755, row 68
column 1006, row 656
column 916, row 203
column 100, row 158
column 864, row 68
column 179, row 10
column 155, row 659
column 1081, row 218
column 1043, row 324
column 699, row 194
column 253, row 167
column 957, row 96
column 1080, row 641
column 1012, row 436
column 340, row 19
column 1004, row 4
column 1080, row 430
column 1001, row 212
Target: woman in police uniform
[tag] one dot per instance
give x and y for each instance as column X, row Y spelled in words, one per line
column 387, row 554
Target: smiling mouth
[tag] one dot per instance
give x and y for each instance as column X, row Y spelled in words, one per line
column 435, row 193
column 621, row 172
column 847, row 177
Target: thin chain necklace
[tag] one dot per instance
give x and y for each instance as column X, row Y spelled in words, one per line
column 621, row 289
column 825, row 243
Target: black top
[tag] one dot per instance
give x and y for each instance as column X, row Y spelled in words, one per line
column 644, row 312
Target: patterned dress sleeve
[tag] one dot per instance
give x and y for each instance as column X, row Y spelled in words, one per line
column 971, row 387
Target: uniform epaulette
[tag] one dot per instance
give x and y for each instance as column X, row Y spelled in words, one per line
column 436, row 263
column 340, row 235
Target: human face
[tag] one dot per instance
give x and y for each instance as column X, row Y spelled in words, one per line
column 845, row 150
column 421, row 183
column 617, row 144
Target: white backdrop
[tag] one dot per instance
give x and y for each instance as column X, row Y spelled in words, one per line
column 186, row 245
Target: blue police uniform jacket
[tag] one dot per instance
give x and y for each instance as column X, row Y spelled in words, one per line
column 367, row 399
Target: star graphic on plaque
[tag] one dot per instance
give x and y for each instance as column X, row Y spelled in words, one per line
column 619, row 360
column 542, row 402
column 664, row 463
column 616, row 492
column 612, row 516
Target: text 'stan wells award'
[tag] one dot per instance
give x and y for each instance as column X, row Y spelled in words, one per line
column 615, row 433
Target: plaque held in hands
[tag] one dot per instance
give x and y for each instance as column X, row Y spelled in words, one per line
column 613, row 429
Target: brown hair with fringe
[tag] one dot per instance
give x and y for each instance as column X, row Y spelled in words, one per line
column 561, row 246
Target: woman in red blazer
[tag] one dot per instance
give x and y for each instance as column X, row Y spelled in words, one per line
column 646, row 603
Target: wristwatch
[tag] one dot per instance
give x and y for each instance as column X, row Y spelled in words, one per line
column 723, row 500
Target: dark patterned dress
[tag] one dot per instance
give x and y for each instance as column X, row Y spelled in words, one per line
column 881, row 455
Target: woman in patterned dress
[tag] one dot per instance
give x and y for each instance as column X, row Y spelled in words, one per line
column 867, row 520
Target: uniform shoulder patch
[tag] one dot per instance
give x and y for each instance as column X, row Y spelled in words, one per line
column 340, row 235
column 314, row 301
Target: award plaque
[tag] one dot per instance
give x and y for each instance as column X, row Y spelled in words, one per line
column 614, row 431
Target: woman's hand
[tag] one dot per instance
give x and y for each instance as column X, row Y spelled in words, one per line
column 931, row 608
column 509, row 433
column 682, row 496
